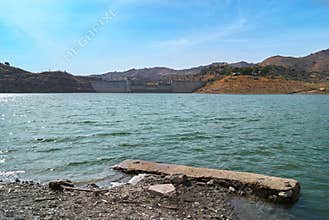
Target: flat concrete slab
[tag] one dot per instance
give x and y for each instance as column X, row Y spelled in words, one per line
column 163, row 189
column 269, row 187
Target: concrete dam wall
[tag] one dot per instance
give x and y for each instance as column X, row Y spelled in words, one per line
column 110, row 86
column 127, row 86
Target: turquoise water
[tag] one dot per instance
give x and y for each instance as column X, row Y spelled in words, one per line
column 79, row 136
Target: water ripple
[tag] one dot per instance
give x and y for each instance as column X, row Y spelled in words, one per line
column 82, row 135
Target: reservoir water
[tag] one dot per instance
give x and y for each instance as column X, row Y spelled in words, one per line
column 80, row 136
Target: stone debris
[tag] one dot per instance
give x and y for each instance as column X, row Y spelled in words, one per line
column 210, row 182
column 36, row 201
column 117, row 184
column 136, row 179
column 59, row 185
column 231, row 189
column 92, row 186
column 285, row 194
column 163, row 189
column 178, row 179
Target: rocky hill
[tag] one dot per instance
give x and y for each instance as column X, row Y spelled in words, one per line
column 161, row 73
column 274, row 75
column 241, row 64
column 317, row 62
column 16, row 80
column 246, row 84
column 6, row 68
column 152, row 74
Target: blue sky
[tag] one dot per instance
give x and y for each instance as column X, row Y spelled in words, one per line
column 108, row 35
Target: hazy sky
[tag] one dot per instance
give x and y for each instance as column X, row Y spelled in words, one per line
column 94, row 36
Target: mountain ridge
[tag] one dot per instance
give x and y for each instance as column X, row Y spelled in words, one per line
column 315, row 62
column 313, row 68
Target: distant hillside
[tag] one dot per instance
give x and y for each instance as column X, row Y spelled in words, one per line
column 246, row 84
column 16, row 80
column 9, row 69
column 314, row 66
column 241, row 64
column 152, row 74
column 274, row 75
column 317, row 62
column 161, row 73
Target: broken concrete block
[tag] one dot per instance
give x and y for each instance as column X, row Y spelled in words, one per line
column 260, row 185
column 163, row 189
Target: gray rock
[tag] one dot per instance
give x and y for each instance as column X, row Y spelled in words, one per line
column 285, row 194
column 93, row 186
column 136, row 179
column 231, row 189
column 201, row 183
column 178, row 179
column 117, row 184
column 163, row 189
column 58, row 185
column 211, row 182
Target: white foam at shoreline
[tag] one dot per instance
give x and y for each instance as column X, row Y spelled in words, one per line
column 11, row 173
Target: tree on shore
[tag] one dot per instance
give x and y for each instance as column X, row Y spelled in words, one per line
column 7, row 63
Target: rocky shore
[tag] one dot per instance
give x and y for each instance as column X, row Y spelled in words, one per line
column 145, row 197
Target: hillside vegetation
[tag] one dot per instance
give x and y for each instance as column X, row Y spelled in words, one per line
column 275, row 75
